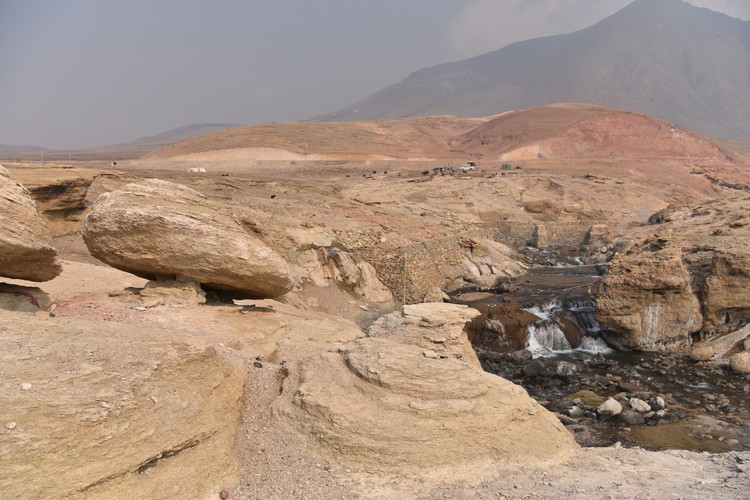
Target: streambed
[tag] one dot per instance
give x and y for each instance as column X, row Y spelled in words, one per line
column 542, row 335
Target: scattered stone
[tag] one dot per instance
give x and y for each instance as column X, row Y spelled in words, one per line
column 740, row 362
column 657, row 403
column 631, row 417
column 565, row 369
column 25, row 386
column 435, row 294
column 10, row 426
column 609, row 408
column 639, row 405
column 575, row 412
column 257, row 364
column 702, row 353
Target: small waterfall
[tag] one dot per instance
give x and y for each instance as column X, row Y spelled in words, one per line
column 545, row 338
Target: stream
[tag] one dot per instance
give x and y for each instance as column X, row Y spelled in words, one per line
column 543, row 336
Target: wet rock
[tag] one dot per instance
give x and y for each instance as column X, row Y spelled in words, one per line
column 657, row 403
column 740, row 363
column 535, row 368
column 576, row 412
column 632, row 417
column 158, row 228
column 609, row 408
column 565, row 369
column 26, row 250
column 702, row 353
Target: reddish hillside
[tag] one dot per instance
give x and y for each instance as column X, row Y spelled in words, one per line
column 572, row 131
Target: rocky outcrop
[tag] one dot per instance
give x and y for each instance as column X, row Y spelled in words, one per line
column 437, row 328
column 687, row 273
column 158, row 228
column 26, row 250
column 386, row 406
column 102, row 410
column 486, row 264
column 647, row 302
column 326, row 265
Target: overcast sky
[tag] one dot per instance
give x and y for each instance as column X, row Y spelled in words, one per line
column 83, row 73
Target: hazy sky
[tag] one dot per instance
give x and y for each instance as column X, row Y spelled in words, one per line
column 82, row 73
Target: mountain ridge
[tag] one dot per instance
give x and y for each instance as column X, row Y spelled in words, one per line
column 666, row 58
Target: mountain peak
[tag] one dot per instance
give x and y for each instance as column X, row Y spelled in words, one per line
column 667, row 58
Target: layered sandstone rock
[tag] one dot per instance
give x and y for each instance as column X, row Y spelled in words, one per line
column 157, row 228
column 101, row 410
column 647, row 302
column 486, row 264
column 688, row 273
column 325, row 265
column 26, row 250
column 436, row 327
column 385, row 406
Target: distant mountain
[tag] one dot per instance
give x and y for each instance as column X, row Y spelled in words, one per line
column 180, row 134
column 133, row 149
column 680, row 63
column 11, row 150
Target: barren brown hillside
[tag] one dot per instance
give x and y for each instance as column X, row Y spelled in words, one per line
column 412, row 138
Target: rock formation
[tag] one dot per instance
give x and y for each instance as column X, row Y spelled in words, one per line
column 327, row 265
column 26, row 250
column 647, row 301
column 387, row 406
column 158, row 228
column 688, row 273
column 436, row 327
column 102, row 410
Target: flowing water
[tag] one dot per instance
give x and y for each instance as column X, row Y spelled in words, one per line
column 710, row 407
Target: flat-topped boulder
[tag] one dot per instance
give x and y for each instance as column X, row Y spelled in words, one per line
column 387, row 406
column 156, row 228
column 26, row 250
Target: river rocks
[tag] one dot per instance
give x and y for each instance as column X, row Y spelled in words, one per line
column 327, row 265
column 157, row 228
column 434, row 326
column 382, row 405
column 632, row 417
column 647, row 302
column 702, row 353
column 609, row 408
column 26, row 250
column 639, row 405
column 501, row 328
column 113, row 411
column 740, row 362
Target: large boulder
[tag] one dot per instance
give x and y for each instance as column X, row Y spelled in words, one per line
column 157, row 228
column 95, row 409
column 687, row 273
column 26, row 250
column 437, row 327
column 647, row 302
column 382, row 405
